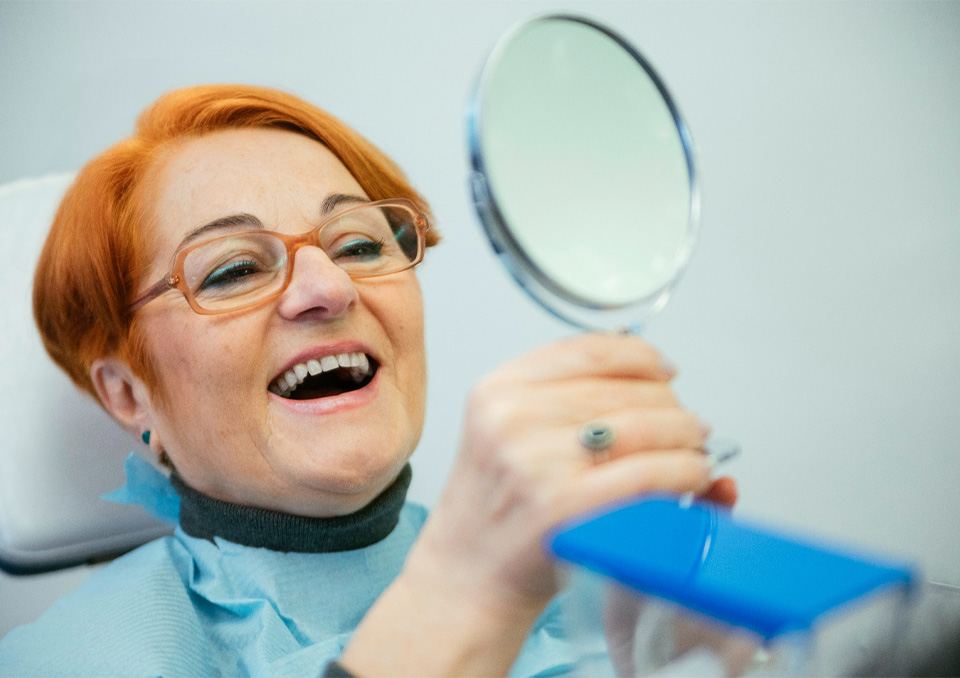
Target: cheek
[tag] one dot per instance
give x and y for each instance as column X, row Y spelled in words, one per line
column 205, row 371
column 405, row 324
column 409, row 324
column 398, row 309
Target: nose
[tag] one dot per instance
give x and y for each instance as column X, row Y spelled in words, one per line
column 318, row 287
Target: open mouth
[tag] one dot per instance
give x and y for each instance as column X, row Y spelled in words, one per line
column 325, row 376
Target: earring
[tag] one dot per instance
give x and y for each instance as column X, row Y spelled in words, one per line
column 145, row 437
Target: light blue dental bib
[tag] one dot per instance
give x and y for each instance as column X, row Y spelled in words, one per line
column 182, row 606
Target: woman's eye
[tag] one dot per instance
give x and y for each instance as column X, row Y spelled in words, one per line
column 360, row 248
column 230, row 273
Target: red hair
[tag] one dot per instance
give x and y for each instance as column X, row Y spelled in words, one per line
column 94, row 257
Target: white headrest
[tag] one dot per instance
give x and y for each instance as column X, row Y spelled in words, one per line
column 59, row 450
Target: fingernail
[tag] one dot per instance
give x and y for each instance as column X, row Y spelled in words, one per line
column 145, row 437
column 705, row 429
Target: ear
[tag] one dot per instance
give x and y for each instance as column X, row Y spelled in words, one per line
column 123, row 394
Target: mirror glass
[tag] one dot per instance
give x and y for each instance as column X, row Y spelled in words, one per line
column 582, row 172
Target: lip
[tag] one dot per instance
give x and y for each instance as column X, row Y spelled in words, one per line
column 332, row 404
column 322, row 350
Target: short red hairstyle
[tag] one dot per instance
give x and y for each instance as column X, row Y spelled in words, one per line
column 94, row 257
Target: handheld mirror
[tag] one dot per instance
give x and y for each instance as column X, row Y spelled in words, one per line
column 583, row 174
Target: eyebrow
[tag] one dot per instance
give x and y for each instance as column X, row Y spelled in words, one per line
column 245, row 220
column 233, row 221
column 334, row 200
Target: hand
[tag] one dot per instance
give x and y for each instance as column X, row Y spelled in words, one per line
column 521, row 469
column 479, row 575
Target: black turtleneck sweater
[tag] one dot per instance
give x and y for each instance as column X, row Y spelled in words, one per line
column 204, row 517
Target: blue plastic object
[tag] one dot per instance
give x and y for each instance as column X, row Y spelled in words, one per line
column 698, row 556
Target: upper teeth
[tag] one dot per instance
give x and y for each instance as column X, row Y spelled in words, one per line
column 286, row 383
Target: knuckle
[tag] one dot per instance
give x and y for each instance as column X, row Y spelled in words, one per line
column 483, row 389
column 501, row 417
column 494, row 416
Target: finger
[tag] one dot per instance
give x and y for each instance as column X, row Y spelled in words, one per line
column 591, row 355
column 723, row 491
column 634, row 431
column 637, row 430
column 601, row 395
column 675, row 471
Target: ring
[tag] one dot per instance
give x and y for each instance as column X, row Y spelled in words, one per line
column 597, row 437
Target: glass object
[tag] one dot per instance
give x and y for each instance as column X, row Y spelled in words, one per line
column 583, row 173
column 241, row 270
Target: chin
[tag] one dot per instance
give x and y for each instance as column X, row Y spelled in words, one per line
column 360, row 471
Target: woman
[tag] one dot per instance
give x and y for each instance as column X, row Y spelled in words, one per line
column 235, row 284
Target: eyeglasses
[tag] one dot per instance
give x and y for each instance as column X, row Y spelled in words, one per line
column 241, row 270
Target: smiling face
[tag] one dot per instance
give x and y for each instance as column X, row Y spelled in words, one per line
column 228, row 428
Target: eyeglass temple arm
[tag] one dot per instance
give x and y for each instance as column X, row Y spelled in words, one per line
column 155, row 291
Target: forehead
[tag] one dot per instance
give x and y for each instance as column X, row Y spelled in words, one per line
column 276, row 175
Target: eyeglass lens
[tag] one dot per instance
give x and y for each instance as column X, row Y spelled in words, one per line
column 240, row 269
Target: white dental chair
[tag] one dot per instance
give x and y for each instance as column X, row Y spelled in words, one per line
column 59, row 451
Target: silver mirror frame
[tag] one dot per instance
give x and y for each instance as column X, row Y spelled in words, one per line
column 563, row 304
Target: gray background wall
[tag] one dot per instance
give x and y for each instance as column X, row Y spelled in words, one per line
column 819, row 321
